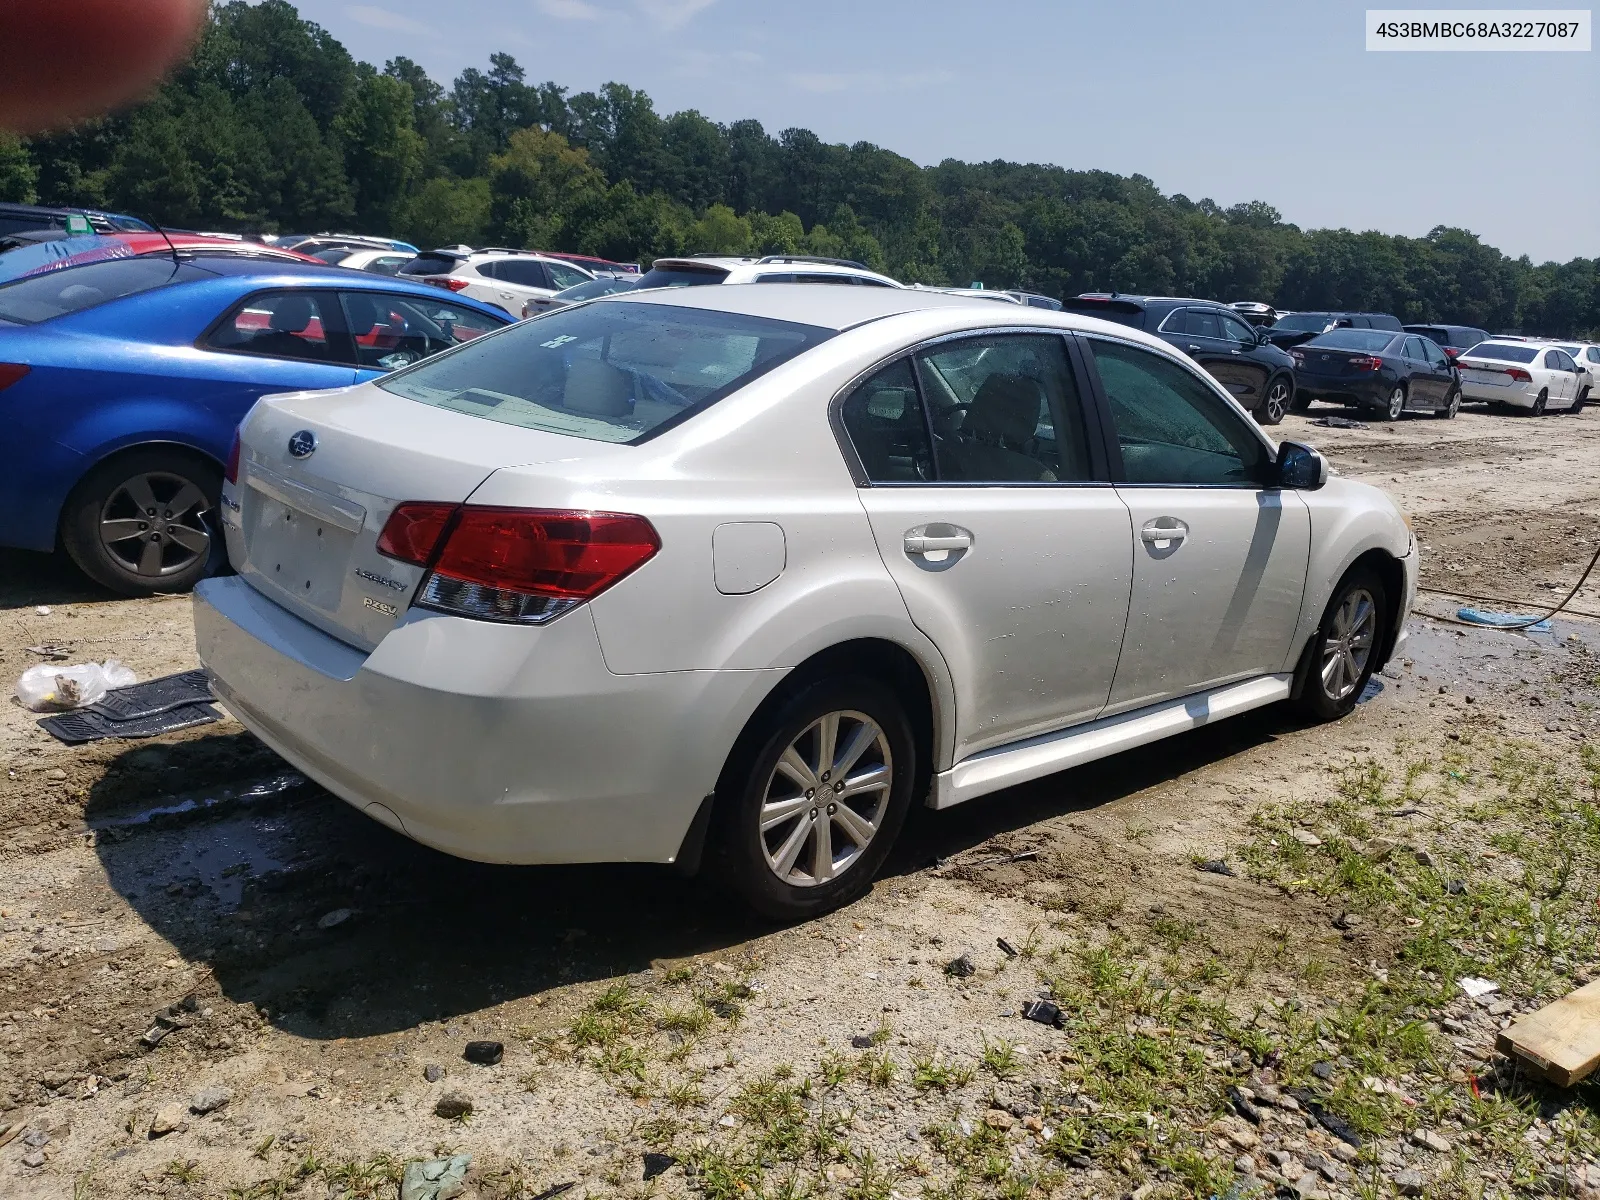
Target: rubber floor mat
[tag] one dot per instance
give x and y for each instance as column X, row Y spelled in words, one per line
column 88, row 725
column 154, row 696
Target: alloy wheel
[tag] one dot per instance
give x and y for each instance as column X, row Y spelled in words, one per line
column 1397, row 403
column 826, row 798
column 153, row 524
column 1277, row 403
column 1347, row 643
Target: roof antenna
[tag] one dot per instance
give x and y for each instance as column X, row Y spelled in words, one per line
column 176, row 261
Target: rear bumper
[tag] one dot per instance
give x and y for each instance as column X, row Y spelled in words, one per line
column 490, row 742
column 1518, row 395
column 1371, row 390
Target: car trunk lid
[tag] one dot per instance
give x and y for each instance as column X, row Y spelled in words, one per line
column 319, row 475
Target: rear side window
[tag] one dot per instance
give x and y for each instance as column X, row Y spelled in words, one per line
column 430, row 264
column 1171, row 427
column 1383, row 321
column 1414, row 350
column 608, row 372
column 1004, row 410
column 308, row 326
column 1505, row 353
column 74, row 289
column 884, row 420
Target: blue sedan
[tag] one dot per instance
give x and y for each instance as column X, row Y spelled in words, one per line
column 122, row 382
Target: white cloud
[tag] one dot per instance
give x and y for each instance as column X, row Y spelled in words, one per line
column 670, row 14
column 569, row 10
column 382, row 18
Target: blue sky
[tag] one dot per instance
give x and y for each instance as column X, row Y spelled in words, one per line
column 1275, row 100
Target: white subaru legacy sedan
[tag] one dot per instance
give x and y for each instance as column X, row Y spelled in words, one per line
column 735, row 575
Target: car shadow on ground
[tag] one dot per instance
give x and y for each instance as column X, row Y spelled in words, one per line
column 337, row 927
column 28, row 580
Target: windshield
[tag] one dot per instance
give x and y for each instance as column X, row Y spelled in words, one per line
column 1316, row 322
column 1369, row 340
column 681, row 276
column 591, row 288
column 1522, row 354
column 73, row 289
column 607, row 372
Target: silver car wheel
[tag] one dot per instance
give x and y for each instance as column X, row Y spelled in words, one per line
column 153, row 524
column 826, row 798
column 1277, row 402
column 1347, row 645
column 1397, row 403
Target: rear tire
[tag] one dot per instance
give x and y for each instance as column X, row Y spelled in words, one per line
column 1396, row 405
column 1280, row 396
column 1451, row 406
column 143, row 522
column 804, row 817
column 1539, row 404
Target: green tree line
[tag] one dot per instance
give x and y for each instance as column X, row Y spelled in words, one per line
column 272, row 125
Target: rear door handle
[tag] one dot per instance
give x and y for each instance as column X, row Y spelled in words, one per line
column 922, row 543
column 1163, row 529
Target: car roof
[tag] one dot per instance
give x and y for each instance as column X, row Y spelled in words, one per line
column 842, row 308
column 292, row 274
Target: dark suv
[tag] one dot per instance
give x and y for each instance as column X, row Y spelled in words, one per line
column 1259, row 375
column 1300, row 327
column 17, row 218
column 1453, row 339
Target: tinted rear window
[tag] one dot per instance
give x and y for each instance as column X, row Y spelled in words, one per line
column 1523, row 354
column 1303, row 322
column 1437, row 332
column 1123, row 312
column 1384, row 321
column 607, row 372
column 681, row 276
column 1369, row 340
column 56, row 293
column 430, row 264
column 604, row 286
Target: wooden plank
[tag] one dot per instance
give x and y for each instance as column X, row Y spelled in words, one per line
column 1560, row 1040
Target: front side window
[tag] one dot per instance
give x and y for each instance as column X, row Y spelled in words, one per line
column 1435, row 355
column 300, row 325
column 1237, row 330
column 564, row 276
column 391, row 331
column 885, row 422
column 1004, row 409
column 1172, row 427
column 609, row 372
column 55, row 293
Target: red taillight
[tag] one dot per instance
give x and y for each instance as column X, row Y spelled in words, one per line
column 1452, row 352
column 450, row 282
column 231, row 471
column 11, row 372
column 1519, row 374
column 412, row 531
column 524, row 565
column 1363, row 363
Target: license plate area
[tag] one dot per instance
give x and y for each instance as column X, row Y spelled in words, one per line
column 300, row 553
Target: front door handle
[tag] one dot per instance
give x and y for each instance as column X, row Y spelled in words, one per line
column 1163, row 529
column 922, row 543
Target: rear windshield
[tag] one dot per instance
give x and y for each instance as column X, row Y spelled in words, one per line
column 1437, row 332
column 607, row 372
column 73, row 289
column 1353, row 339
column 681, row 276
column 1575, row 351
column 430, row 264
column 606, row 285
column 1301, row 322
column 1123, row 312
column 1505, row 353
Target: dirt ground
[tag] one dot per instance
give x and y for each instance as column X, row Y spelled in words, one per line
column 1253, row 936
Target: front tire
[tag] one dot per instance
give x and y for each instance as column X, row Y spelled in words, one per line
column 1577, row 405
column 1452, row 406
column 1344, row 651
column 1280, row 396
column 141, row 523
column 813, row 797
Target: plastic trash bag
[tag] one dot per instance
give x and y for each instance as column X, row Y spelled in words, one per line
column 1478, row 616
column 52, row 688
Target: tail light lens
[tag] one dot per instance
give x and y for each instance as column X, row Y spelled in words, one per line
column 231, row 471
column 1519, row 374
column 449, row 282
column 519, row 565
column 1363, row 363
column 11, row 372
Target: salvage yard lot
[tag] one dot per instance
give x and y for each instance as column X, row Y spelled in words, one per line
column 1253, row 938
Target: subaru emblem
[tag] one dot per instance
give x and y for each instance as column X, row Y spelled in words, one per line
column 302, row 444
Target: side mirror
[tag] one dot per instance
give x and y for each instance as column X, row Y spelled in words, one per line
column 1301, row 467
